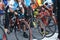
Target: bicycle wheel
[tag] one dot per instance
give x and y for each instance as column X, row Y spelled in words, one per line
column 40, row 27
column 3, row 34
column 36, row 30
column 19, row 34
column 51, row 27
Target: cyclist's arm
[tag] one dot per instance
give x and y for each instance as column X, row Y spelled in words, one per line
column 22, row 10
column 10, row 9
column 51, row 8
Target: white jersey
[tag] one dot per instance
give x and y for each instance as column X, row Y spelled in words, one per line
column 11, row 2
column 20, row 5
column 49, row 2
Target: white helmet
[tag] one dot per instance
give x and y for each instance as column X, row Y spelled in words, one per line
column 49, row 2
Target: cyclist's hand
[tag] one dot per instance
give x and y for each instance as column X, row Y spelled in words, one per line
column 16, row 13
column 55, row 21
column 21, row 19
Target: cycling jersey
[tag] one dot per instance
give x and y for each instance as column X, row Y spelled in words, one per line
column 5, row 2
column 39, row 2
column 20, row 15
column 13, row 5
column 34, row 6
column 27, row 2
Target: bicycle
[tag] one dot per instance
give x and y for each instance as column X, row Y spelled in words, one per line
column 15, row 27
column 38, row 22
column 49, row 22
column 35, row 25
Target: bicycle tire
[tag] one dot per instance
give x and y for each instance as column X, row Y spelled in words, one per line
column 39, row 29
column 51, row 26
column 17, row 36
column 4, row 33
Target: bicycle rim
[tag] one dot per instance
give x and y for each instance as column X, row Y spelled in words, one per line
column 40, row 31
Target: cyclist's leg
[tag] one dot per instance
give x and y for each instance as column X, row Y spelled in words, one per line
column 25, row 21
column 24, row 26
column 10, row 21
column 19, row 17
column 40, row 15
column 26, row 17
column 27, row 25
column 45, row 22
column 18, row 23
column 10, row 17
column 54, row 18
column 47, row 18
column 6, row 24
column 41, row 27
column 24, row 30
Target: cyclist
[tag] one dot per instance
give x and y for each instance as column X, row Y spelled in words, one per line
column 17, row 9
column 22, row 18
column 47, row 9
column 50, row 10
column 12, row 7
